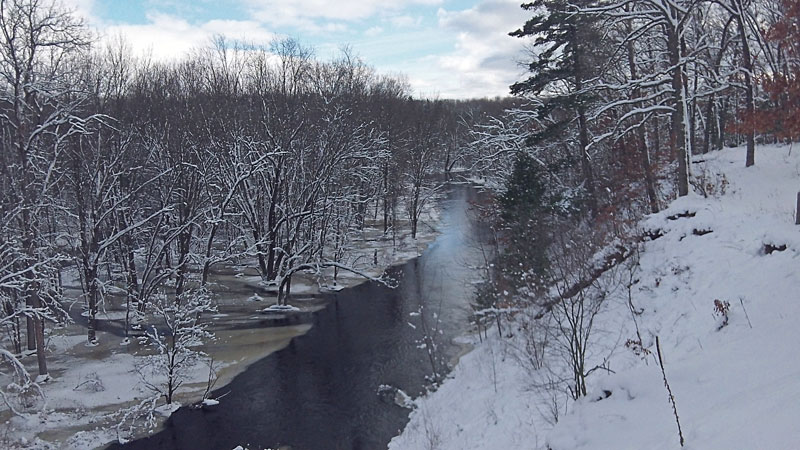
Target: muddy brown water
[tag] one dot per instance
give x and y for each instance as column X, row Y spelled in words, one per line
column 320, row 392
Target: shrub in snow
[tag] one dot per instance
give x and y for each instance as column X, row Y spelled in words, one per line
column 27, row 396
column 174, row 340
column 91, row 383
column 23, row 393
column 430, row 325
column 637, row 348
column 721, row 310
column 139, row 416
column 563, row 326
column 709, row 184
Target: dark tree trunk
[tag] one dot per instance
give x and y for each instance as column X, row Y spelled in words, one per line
column 649, row 181
column 413, row 213
column 797, row 211
column 710, row 124
column 386, row 197
column 583, row 130
column 38, row 325
column 30, row 332
column 184, row 246
column 722, row 115
column 748, row 82
column 91, row 283
column 713, row 111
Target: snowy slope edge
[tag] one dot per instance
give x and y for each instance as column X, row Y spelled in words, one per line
column 735, row 387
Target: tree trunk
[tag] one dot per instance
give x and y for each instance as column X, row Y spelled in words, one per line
column 263, row 266
column 91, row 284
column 649, row 179
column 713, row 115
column 30, row 330
column 413, row 215
column 750, row 107
column 642, row 141
column 184, row 243
column 270, row 268
column 207, row 258
column 386, row 201
column 678, row 136
column 586, row 164
column 38, row 327
column 583, row 132
column 31, row 293
column 271, row 271
column 710, row 122
column 657, row 138
column 722, row 120
column 797, row 214
column 133, row 277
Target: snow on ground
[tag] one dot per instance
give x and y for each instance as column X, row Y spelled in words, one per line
column 484, row 404
column 88, row 385
column 735, row 387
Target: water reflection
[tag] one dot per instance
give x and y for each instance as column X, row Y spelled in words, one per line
column 320, row 391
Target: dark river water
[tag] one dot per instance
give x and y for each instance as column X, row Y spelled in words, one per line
column 320, row 392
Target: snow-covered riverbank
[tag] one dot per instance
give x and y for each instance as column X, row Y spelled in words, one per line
column 719, row 288
column 91, row 387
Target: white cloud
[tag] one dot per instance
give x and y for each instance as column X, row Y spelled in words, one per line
column 168, row 37
column 496, row 17
column 481, row 60
column 405, row 21
column 373, row 31
column 165, row 36
column 305, row 13
column 83, row 8
column 484, row 60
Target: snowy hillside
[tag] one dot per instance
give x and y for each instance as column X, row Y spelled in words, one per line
column 736, row 381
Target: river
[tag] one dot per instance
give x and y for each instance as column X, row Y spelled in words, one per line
column 320, row 392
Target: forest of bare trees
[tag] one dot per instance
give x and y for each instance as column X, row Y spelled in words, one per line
column 139, row 177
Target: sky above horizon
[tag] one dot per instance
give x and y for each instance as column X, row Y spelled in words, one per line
column 446, row 48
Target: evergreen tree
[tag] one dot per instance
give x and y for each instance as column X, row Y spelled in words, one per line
column 565, row 54
column 525, row 205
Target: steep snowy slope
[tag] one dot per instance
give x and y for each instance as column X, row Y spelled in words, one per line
column 736, row 385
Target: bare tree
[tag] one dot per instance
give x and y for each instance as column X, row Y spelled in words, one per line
column 39, row 113
column 422, row 144
column 174, row 340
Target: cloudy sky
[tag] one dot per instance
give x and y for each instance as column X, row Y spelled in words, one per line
column 447, row 48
